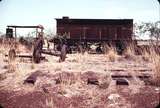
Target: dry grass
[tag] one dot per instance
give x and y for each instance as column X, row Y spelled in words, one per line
column 105, row 81
column 15, row 71
column 49, row 103
column 156, row 68
column 154, row 58
column 112, row 54
column 129, row 54
column 4, row 48
column 72, row 85
column 146, row 56
column 11, row 67
column 3, row 76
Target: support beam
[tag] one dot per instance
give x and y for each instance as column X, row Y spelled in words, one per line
column 15, row 33
column 14, row 26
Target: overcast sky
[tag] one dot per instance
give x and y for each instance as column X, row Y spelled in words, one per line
column 34, row 12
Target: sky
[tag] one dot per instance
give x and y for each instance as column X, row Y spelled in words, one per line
column 44, row 12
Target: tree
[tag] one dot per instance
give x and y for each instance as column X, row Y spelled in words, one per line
column 49, row 33
column 151, row 29
column 2, row 34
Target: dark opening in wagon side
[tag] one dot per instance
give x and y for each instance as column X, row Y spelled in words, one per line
column 116, row 32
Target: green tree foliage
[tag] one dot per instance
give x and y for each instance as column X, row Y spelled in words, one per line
column 152, row 29
column 49, row 33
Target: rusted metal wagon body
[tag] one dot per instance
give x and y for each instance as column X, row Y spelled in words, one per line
column 95, row 30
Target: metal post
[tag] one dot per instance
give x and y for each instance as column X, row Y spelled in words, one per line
column 15, row 33
column 36, row 32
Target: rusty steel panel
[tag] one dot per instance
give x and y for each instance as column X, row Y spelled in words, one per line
column 76, row 33
column 104, row 33
column 119, row 33
column 112, row 33
column 92, row 33
column 99, row 29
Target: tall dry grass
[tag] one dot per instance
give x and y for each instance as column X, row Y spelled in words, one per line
column 156, row 69
column 111, row 54
column 154, row 58
column 129, row 53
column 49, row 103
column 146, row 56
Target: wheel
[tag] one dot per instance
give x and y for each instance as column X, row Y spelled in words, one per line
column 81, row 49
column 37, row 50
column 36, row 56
column 69, row 50
column 99, row 50
column 120, row 47
column 39, row 44
column 11, row 54
column 63, row 53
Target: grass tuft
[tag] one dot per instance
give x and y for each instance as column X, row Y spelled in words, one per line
column 156, row 69
column 129, row 54
column 49, row 103
column 112, row 54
